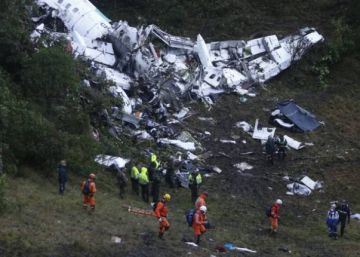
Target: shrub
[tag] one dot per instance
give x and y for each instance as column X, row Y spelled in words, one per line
column 335, row 50
column 50, row 78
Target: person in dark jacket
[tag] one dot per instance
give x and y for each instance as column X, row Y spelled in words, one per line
column 170, row 172
column 155, row 183
column 281, row 144
column 122, row 182
column 270, row 149
column 344, row 213
column 62, row 176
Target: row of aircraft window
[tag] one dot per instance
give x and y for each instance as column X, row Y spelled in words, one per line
column 68, row 6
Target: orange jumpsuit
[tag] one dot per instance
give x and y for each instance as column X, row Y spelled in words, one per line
column 274, row 218
column 90, row 198
column 200, row 202
column 161, row 211
column 199, row 222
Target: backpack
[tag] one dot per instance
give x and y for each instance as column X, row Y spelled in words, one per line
column 189, row 216
column 155, row 205
column 86, row 189
column 268, row 211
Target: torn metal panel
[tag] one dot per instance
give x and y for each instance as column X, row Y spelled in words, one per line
column 121, row 80
column 233, row 77
column 172, row 41
column 189, row 146
column 202, row 51
column 108, row 160
column 293, row 143
column 262, row 133
column 298, row 189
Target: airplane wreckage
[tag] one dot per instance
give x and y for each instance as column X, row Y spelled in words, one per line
column 165, row 70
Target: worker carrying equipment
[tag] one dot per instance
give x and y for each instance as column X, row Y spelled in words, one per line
column 161, row 212
column 199, row 223
column 88, row 189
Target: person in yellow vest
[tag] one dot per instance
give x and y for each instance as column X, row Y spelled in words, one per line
column 144, row 184
column 153, row 159
column 195, row 181
column 134, row 175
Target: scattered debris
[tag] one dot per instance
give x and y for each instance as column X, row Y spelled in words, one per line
column 191, row 243
column 217, row 169
column 232, row 247
column 292, row 117
column 162, row 71
column 225, row 141
column 243, row 166
column 355, row 216
column 303, row 187
column 293, row 143
column 189, row 146
column 116, row 239
column 244, row 125
column 298, row 189
column 262, row 133
column 108, row 160
column 284, row 249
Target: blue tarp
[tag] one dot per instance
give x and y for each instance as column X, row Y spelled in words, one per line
column 303, row 119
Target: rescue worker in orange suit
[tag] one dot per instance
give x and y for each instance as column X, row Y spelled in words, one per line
column 274, row 217
column 88, row 188
column 199, row 223
column 200, row 201
column 161, row 212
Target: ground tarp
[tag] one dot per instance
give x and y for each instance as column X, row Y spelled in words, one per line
column 303, row 119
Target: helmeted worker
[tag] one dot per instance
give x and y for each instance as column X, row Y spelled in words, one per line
column 62, row 176
column 332, row 221
column 281, row 144
column 344, row 214
column 144, row 184
column 161, row 213
column 274, row 215
column 199, row 223
column 200, row 201
column 88, row 189
column 134, row 175
column 195, row 181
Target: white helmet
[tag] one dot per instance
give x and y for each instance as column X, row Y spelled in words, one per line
column 203, row 208
column 278, row 201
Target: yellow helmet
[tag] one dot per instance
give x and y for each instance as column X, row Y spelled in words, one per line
column 167, row 197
